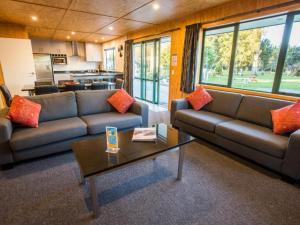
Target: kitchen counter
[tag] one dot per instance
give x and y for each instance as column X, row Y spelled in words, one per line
column 94, row 74
column 80, row 72
column 83, row 75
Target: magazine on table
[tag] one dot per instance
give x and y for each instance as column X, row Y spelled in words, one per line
column 144, row 134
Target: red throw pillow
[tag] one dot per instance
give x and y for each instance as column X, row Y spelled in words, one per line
column 199, row 98
column 121, row 101
column 287, row 119
column 24, row 112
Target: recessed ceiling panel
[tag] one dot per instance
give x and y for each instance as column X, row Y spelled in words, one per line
column 21, row 13
column 116, row 8
column 84, row 22
column 165, row 10
column 99, row 38
column 54, row 3
column 68, row 36
column 122, row 27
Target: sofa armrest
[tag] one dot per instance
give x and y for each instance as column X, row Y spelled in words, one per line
column 176, row 105
column 6, row 130
column 6, row 127
column 291, row 162
column 141, row 109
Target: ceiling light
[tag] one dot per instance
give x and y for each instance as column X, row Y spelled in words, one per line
column 68, row 37
column 155, row 6
column 110, row 28
column 34, row 18
column 103, row 38
column 73, row 32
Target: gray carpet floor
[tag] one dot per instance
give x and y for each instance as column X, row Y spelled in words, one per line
column 217, row 188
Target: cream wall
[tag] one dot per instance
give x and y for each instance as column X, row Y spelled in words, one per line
column 119, row 61
column 17, row 64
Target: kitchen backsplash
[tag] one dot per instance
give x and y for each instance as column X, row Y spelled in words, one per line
column 77, row 63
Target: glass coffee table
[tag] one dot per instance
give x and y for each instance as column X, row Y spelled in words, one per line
column 93, row 160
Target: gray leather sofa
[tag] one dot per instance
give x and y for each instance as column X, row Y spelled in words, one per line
column 65, row 118
column 242, row 124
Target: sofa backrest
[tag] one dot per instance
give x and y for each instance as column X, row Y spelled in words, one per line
column 258, row 109
column 93, row 101
column 225, row 103
column 56, row 106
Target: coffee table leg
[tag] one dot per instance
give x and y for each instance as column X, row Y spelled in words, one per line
column 82, row 180
column 94, row 197
column 180, row 162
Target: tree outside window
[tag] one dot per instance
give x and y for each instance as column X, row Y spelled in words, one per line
column 250, row 55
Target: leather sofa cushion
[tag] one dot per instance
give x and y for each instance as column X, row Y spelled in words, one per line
column 201, row 119
column 254, row 136
column 93, row 102
column 258, row 109
column 56, row 106
column 96, row 123
column 224, row 103
column 47, row 132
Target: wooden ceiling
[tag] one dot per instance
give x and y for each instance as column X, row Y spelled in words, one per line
column 95, row 20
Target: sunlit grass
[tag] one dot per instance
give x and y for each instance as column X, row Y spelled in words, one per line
column 260, row 82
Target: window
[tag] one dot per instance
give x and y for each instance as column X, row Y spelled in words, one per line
column 216, row 55
column 290, row 81
column 258, row 46
column 260, row 55
column 110, row 59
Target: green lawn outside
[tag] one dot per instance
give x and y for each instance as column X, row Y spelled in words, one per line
column 261, row 82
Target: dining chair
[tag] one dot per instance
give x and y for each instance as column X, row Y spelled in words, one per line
column 99, row 86
column 74, row 87
column 119, row 84
column 45, row 89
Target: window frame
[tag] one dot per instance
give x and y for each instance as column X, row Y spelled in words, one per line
column 114, row 64
column 281, row 58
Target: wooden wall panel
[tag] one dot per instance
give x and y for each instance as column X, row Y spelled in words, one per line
column 233, row 11
column 2, row 101
column 11, row 30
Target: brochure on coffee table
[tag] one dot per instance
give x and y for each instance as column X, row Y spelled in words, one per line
column 112, row 140
column 144, row 134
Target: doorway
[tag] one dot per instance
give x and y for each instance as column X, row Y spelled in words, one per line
column 151, row 69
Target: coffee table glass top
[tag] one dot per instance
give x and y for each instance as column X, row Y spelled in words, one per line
column 92, row 158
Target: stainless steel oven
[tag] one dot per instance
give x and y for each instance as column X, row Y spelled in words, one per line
column 60, row 59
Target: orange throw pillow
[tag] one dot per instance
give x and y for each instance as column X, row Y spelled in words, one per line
column 199, row 98
column 287, row 119
column 24, row 112
column 121, row 101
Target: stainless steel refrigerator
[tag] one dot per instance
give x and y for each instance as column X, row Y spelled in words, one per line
column 43, row 67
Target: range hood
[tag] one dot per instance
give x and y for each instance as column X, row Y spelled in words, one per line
column 74, row 48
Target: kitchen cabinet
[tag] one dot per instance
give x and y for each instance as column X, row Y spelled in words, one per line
column 93, row 52
column 58, row 47
column 48, row 46
column 41, row 46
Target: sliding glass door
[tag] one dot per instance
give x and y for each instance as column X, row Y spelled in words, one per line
column 146, row 70
column 151, row 68
column 137, row 70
